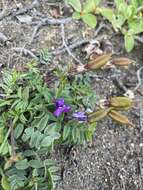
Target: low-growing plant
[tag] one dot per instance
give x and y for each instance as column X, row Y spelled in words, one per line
column 86, row 12
column 125, row 17
column 34, row 118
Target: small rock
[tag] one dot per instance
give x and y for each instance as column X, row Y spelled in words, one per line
column 24, row 19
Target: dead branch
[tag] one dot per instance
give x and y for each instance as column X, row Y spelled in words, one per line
column 80, row 42
column 49, row 21
column 139, row 39
column 66, row 46
column 25, row 51
column 140, row 79
column 141, row 118
column 72, row 46
column 6, row 13
column 27, row 8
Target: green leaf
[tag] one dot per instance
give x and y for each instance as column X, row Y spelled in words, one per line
column 134, row 3
column 1, row 134
column 22, row 164
column 97, row 2
column 49, row 162
column 129, row 42
column 89, row 6
column 18, row 130
column 36, row 164
column 45, row 56
column 4, row 102
column 28, row 132
column 47, row 141
column 53, row 169
column 75, row 4
column 90, row 20
column 108, row 14
column 129, row 11
column 119, row 21
column 19, row 92
column 119, row 2
column 4, row 149
column 136, row 26
column 25, row 93
column 66, row 132
column 34, row 138
column 17, row 179
column 5, row 183
column 43, row 122
column 76, row 15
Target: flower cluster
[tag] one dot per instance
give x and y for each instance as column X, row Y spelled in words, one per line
column 61, row 107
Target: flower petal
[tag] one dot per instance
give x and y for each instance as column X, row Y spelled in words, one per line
column 80, row 116
column 66, row 109
column 58, row 111
column 59, row 102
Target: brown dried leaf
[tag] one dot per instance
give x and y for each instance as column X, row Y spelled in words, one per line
column 122, row 61
column 119, row 118
column 99, row 62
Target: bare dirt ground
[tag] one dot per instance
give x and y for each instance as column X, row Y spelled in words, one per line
column 114, row 160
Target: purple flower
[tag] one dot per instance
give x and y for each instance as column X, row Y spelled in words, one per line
column 61, row 107
column 80, row 116
column 60, row 102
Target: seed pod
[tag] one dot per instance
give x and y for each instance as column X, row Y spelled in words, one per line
column 119, row 118
column 122, row 61
column 121, row 103
column 98, row 115
column 99, row 62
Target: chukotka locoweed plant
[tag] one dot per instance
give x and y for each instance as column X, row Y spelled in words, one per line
column 34, row 118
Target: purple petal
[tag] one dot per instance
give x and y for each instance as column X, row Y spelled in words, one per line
column 66, row 109
column 80, row 116
column 59, row 102
column 58, row 111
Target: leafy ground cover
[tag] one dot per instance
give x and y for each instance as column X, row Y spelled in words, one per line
column 56, row 82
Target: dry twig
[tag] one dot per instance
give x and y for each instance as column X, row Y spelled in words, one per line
column 27, row 8
column 141, row 118
column 25, row 51
column 140, row 80
column 80, row 42
column 66, row 46
column 6, row 13
column 49, row 21
column 139, row 39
